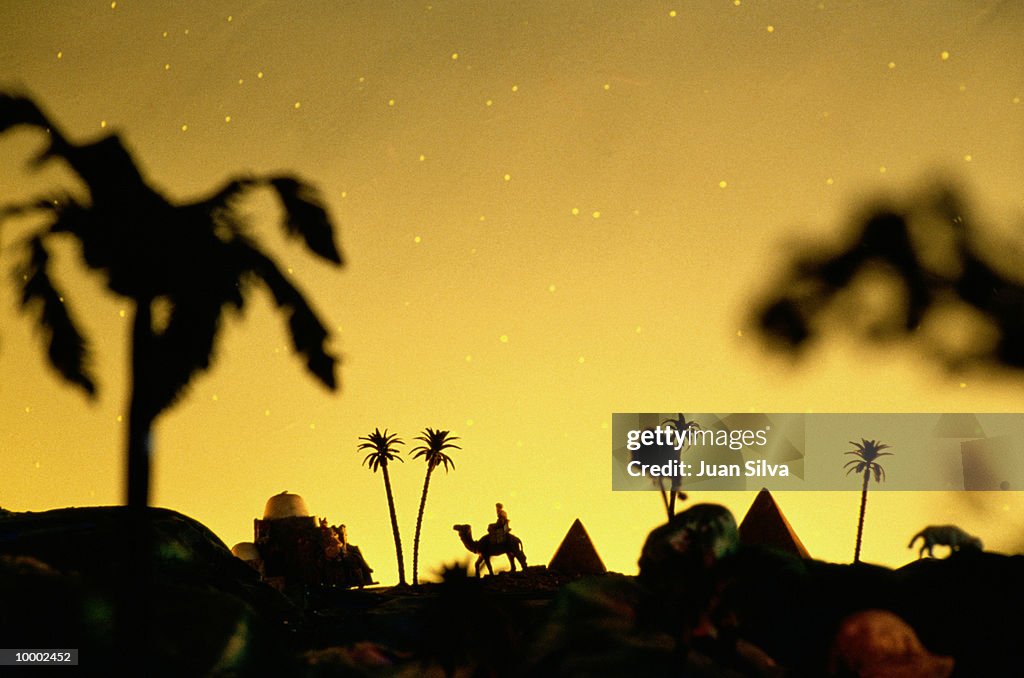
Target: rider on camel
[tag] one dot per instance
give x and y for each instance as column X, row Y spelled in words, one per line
column 499, row 530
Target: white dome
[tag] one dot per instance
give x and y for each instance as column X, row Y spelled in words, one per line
column 245, row 550
column 285, row 505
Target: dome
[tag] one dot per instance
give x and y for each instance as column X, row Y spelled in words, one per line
column 245, row 550
column 285, row 505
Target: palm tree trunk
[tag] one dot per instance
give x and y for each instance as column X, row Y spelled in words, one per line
column 134, row 617
column 394, row 525
column 664, row 497
column 860, row 521
column 419, row 523
column 140, row 414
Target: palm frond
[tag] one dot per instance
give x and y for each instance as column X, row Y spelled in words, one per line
column 184, row 348
column 306, row 217
column 308, row 334
column 15, row 110
column 66, row 347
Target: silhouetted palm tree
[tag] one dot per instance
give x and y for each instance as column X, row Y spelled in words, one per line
column 680, row 423
column 432, row 451
column 385, row 451
column 181, row 265
column 867, row 452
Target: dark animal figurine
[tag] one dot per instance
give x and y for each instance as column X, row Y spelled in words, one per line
column 944, row 535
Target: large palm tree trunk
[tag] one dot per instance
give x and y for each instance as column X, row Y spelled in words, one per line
column 394, row 525
column 419, row 523
column 860, row 520
column 133, row 620
column 140, row 411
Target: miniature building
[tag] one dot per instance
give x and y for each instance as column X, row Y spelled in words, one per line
column 295, row 550
column 576, row 555
column 765, row 525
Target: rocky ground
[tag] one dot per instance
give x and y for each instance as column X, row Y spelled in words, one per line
column 70, row 577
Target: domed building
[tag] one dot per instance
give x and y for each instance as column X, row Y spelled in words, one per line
column 294, row 550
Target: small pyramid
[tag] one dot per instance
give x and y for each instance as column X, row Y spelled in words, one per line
column 960, row 425
column 764, row 525
column 577, row 555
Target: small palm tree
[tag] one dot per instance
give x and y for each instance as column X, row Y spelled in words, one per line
column 867, row 452
column 385, row 451
column 432, row 451
column 680, row 424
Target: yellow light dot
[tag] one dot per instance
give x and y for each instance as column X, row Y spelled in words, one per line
column 638, row 329
column 963, row 87
column 344, row 194
column 103, row 123
column 312, row 425
column 113, row 5
column 184, row 128
column 240, row 81
column 483, row 218
column 455, row 56
column 298, row 104
column 968, row 158
column 165, row 34
column 469, row 422
column 963, row 384
column 37, row 464
column 551, row 288
column 503, row 338
column 259, row 74
column 595, row 214
column 266, row 413
column 122, row 313
column 391, row 102
column 215, row 397
column 830, row 181
column 230, row 18
column 417, row 239
column 770, row 29
column 723, row 184
column 227, row 118
column 489, row 102
column 1016, row 100
column 515, row 88
column 469, row 358
column 575, row 211
column 508, row 177
column 167, row 67
column 739, row 333
column 607, row 86
column 892, row 64
column 27, row 409
column 60, row 55
column 737, row 2
column 581, row 360
column 944, row 56
column 672, row 13
column 120, row 418
column 422, row 157
column 883, row 169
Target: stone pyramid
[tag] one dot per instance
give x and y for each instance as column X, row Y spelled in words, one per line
column 577, row 555
column 764, row 525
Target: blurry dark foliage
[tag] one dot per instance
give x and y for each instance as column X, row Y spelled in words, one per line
column 946, row 282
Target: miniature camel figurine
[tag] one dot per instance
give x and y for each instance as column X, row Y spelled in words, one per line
column 511, row 546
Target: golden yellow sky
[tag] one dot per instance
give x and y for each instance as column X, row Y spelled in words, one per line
column 551, row 212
